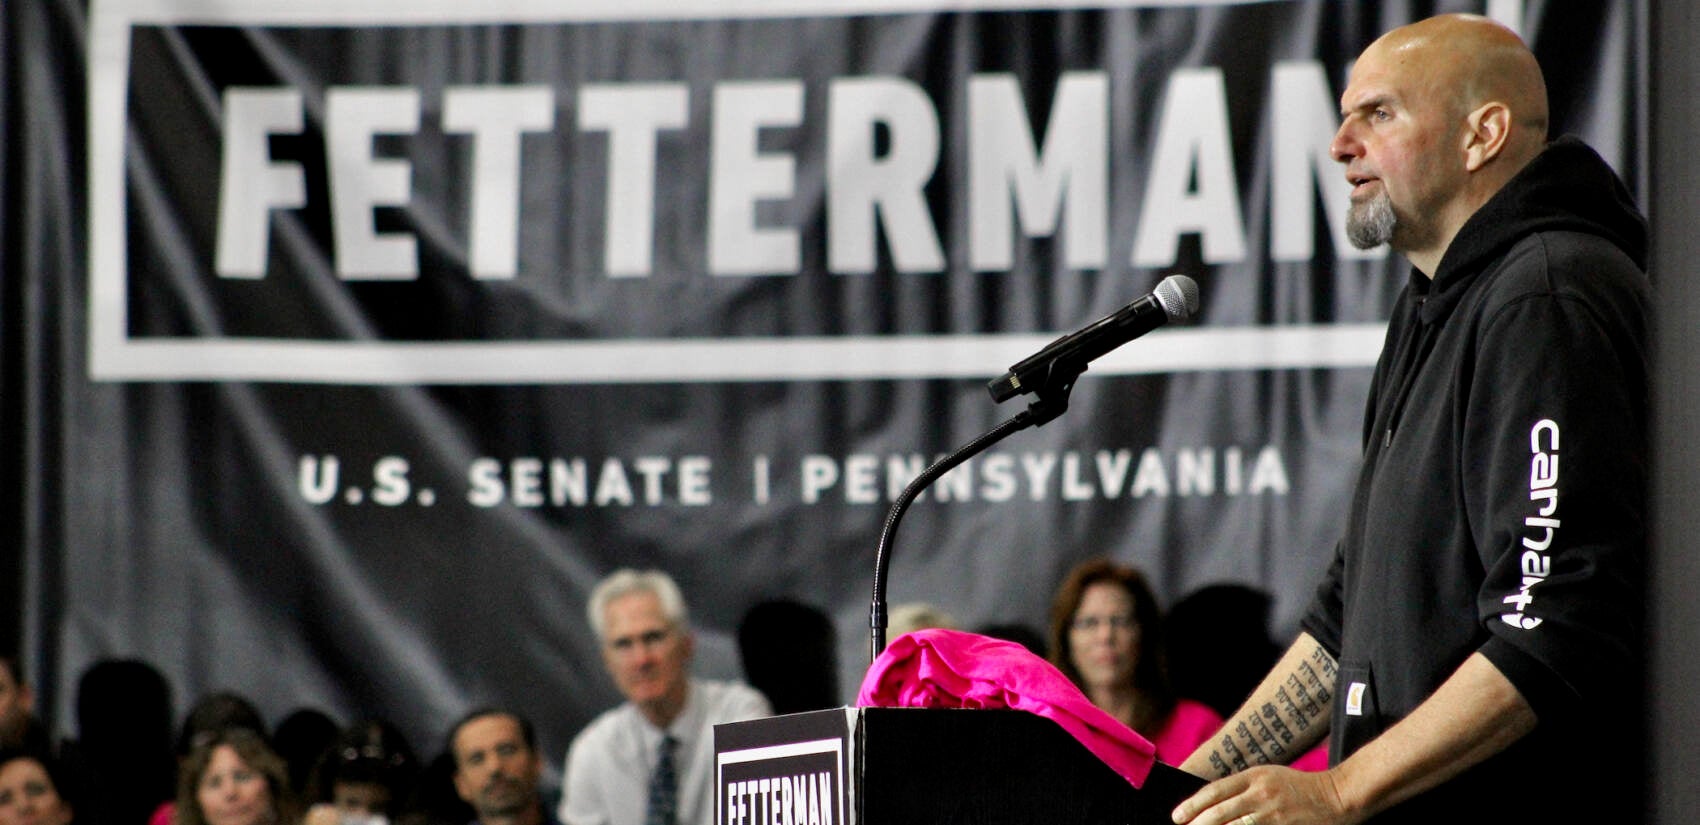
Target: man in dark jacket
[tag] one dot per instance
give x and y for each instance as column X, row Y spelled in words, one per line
column 1473, row 649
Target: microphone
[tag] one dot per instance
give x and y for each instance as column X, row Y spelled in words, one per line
column 1175, row 298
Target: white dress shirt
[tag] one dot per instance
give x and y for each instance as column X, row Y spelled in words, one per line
column 606, row 775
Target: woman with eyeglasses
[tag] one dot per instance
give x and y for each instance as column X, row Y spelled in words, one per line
column 1106, row 635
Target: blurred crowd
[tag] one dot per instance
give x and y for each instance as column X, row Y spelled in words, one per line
column 1172, row 676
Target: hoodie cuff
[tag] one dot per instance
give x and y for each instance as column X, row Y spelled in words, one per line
column 1547, row 693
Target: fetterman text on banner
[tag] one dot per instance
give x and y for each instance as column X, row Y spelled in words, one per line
column 389, row 327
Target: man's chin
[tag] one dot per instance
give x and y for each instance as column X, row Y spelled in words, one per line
column 647, row 693
column 504, row 805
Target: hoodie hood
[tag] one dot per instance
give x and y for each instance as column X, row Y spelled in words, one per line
column 1567, row 187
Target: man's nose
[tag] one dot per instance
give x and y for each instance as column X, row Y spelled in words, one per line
column 1345, row 144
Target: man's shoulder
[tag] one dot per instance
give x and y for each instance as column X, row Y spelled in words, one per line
column 607, row 725
column 1562, row 267
column 1569, row 262
column 728, row 701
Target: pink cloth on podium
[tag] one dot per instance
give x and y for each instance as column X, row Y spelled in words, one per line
column 938, row 668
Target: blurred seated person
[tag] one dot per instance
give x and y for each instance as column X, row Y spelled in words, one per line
column 19, row 726
column 789, row 651
column 498, row 769
column 1219, row 646
column 232, row 777
column 122, row 748
column 32, row 790
column 1019, row 633
column 435, row 800
column 302, row 737
column 365, row 777
column 214, row 712
column 1106, row 636
column 909, row 617
column 651, row 758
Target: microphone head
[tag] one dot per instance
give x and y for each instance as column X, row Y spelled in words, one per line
column 1178, row 295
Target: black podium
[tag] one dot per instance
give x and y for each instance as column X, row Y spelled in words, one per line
column 904, row 766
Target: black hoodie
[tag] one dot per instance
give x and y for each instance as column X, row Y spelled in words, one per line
column 1500, row 507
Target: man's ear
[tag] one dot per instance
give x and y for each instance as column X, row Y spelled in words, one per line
column 1488, row 128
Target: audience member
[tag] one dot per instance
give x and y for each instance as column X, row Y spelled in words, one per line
column 365, row 777
column 1106, row 635
column 497, row 768
column 1218, row 644
column 790, row 653
column 123, row 745
column 212, row 713
column 302, row 738
column 435, row 799
column 19, row 726
column 1019, row 633
column 650, row 759
column 232, row 777
column 912, row 616
column 33, row 791
column 218, row 711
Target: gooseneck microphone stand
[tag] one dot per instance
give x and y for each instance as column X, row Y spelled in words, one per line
column 1050, row 399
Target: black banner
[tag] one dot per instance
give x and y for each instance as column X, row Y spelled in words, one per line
column 351, row 342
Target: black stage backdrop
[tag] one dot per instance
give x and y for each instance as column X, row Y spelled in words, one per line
column 347, row 343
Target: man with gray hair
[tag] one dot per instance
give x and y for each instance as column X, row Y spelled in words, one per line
column 649, row 761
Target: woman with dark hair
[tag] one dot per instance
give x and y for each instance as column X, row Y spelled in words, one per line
column 1106, row 636
column 210, row 714
column 365, row 777
column 232, row 777
column 32, row 790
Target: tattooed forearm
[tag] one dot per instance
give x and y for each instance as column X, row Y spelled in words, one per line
column 1260, row 745
column 1288, row 713
column 1320, row 660
column 1227, row 757
column 1277, row 725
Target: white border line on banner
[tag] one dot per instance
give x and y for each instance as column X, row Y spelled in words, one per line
column 448, row 12
column 114, row 356
column 726, row 359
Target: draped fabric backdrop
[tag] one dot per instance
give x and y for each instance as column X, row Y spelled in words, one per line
column 349, row 342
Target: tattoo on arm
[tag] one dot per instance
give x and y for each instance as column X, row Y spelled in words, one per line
column 1266, row 733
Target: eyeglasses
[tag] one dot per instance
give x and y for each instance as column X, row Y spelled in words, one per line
column 645, row 641
column 371, row 753
column 1119, row 621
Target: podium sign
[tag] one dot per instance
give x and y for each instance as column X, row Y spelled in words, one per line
column 784, row 770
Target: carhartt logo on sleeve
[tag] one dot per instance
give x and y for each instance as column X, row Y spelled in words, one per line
column 1355, row 698
column 1542, row 525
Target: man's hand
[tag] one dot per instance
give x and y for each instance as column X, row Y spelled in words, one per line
column 1267, row 795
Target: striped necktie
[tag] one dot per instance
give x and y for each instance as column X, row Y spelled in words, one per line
column 664, row 786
